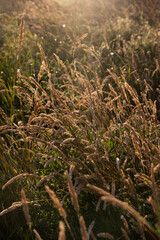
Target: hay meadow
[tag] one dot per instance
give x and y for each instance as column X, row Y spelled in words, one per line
column 80, row 120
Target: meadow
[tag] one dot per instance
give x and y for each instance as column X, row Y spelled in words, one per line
column 80, row 120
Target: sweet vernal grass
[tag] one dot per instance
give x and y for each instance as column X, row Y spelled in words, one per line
column 80, row 152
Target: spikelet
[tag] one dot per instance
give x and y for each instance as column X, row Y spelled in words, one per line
column 146, row 111
column 57, row 203
column 115, row 77
column 125, row 235
column 131, row 188
column 62, row 231
column 47, row 143
column 157, row 67
column 18, row 177
column 14, row 206
column 20, row 37
column 136, row 134
column 105, row 235
column 124, row 47
column 133, row 61
column 155, row 191
column 154, row 148
column 24, row 81
column 31, row 79
column 144, row 178
column 136, row 146
column 127, row 207
column 43, row 56
column 38, row 104
column 83, row 228
column 125, row 223
column 73, row 194
column 5, row 116
column 37, row 234
column 100, row 177
column 59, row 207
column 24, row 96
column 125, row 94
column 46, row 178
column 153, row 204
column 146, row 148
column 67, row 140
column 124, row 205
column 11, row 208
column 105, row 39
column 154, row 110
column 132, row 93
column 110, row 103
column 93, row 237
column 156, row 169
column 42, row 69
column 49, row 161
column 26, row 209
column 90, row 228
column 61, row 63
column 112, row 90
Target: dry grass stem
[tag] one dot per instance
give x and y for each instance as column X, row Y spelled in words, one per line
column 59, row 207
column 108, row 197
column 62, row 235
column 5, row 116
column 18, row 177
column 20, row 37
column 125, row 235
column 14, row 206
column 11, row 208
column 90, row 228
column 37, row 234
column 57, row 203
column 105, row 235
column 84, row 117
column 26, row 209
column 73, row 194
column 93, row 236
column 83, row 228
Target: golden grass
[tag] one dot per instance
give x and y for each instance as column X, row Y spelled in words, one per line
column 26, row 209
column 108, row 197
column 37, row 234
column 94, row 125
column 18, row 177
column 62, row 231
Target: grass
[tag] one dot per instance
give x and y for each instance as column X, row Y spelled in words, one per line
column 79, row 132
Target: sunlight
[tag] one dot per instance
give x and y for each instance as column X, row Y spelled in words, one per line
column 79, row 119
column 66, row 2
